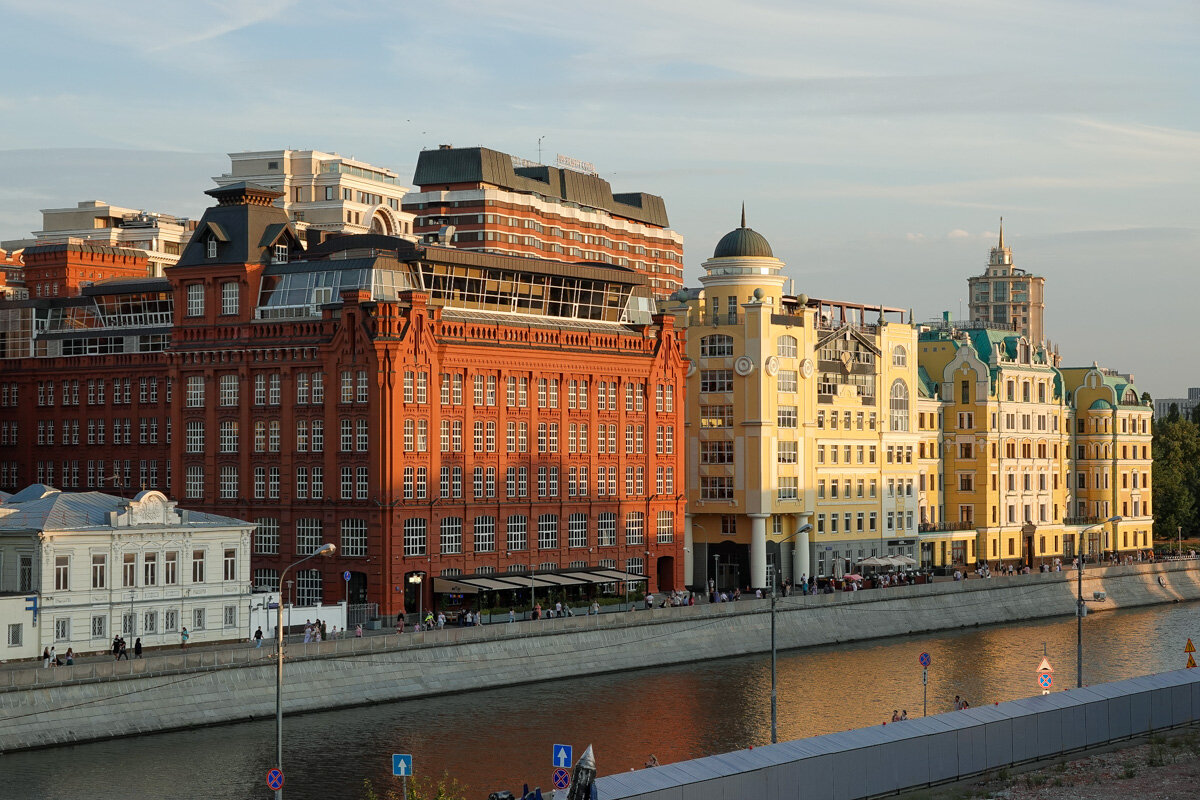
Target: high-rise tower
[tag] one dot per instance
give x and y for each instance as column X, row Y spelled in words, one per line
column 1005, row 295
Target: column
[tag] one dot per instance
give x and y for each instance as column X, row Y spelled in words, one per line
column 801, row 556
column 758, row 550
column 689, row 554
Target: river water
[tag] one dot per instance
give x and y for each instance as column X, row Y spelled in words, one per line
column 500, row 738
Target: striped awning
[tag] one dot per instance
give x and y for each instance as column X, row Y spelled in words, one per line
column 505, row 581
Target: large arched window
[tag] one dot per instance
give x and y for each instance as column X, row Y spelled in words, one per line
column 898, row 403
column 786, row 347
column 716, row 346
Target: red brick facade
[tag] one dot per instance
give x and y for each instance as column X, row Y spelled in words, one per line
column 60, row 270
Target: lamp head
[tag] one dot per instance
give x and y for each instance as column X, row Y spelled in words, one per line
column 805, row 528
column 1114, row 519
column 327, row 549
column 415, row 578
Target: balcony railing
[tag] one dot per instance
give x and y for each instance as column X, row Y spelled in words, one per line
column 934, row 527
column 1082, row 520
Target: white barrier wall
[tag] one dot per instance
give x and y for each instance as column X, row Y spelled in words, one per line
column 870, row 762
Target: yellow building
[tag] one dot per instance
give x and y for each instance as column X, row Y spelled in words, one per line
column 799, row 411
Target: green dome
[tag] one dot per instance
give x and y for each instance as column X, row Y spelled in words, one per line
column 743, row 242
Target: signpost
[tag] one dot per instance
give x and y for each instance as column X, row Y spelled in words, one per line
column 925, row 661
column 1044, row 677
column 562, row 778
column 560, row 756
column 402, row 767
column 1189, row 649
column 275, row 779
column 346, row 578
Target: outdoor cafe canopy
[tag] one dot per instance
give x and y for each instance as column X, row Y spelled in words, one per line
column 505, row 581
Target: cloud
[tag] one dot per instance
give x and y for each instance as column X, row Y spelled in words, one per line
column 958, row 233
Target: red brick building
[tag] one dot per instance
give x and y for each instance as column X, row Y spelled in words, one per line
column 499, row 204
column 61, row 270
column 429, row 410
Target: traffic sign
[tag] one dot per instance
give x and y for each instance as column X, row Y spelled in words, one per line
column 562, row 778
column 560, row 755
column 1045, row 665
column 1190, row 648
column 1191, row 662
column 1045, row 680
column 346, row 575
column 402, row 765
column 925, row 660
column 275, row 779
column 924, row 677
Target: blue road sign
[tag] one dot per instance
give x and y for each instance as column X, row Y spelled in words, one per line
column 925, row 660
column 401, row 764
column 560, row 756
column 562, row 778
column 1046, row 680
column 275, row 779
column 346, row 575
column 31, row 604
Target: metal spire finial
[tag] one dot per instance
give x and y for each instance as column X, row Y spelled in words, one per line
column 743, row 213
column 1002, row 233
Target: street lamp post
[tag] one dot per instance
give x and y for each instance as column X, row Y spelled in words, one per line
column 805, row 528
column 415, row 579
column 326, row 549
column 1079, row 608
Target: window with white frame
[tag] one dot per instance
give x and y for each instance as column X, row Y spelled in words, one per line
column 194, row 482
column 266, row 536
column 195, row 300
column 547, row 531
column 195, row 391
column 229, row 298
column 450, row 535
column 484, row 534
column 414, row 536
column 665, row 530
column 716, row 346
column 786, row 347
column 266, row 580
column 516, row 532
column 308, row 535
column 198, row 619
column 354, row 537
column 577, row 530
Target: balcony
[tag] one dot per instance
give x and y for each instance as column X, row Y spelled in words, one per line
column 939, row 527
column 1082, row 520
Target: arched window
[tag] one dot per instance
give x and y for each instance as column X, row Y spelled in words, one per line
column 787, row 347
column 899, row 356
column 716, row 346
column 899, row 405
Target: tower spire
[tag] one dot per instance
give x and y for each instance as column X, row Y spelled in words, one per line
column 743, row 213
column 1002, row 233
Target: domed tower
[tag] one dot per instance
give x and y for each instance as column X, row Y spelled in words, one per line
column 741, row 263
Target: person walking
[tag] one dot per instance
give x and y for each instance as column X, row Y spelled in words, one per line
column 512, row 615
column 137, row 648
column 45, row 658
column 258, row 637
column 70, row 656
column 183, row 639
column 124, row 653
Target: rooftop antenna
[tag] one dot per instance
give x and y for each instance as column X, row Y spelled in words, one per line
column 1002, row 233
column 743, row 213
column 543, row 136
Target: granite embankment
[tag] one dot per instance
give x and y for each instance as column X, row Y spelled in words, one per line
column 99, row 700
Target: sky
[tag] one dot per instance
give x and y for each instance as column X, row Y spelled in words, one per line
column 875, row 144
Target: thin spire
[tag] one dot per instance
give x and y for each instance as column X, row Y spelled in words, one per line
column 1002, row 233
column 743, row 213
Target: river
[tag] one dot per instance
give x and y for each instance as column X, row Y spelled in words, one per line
column 499, row 738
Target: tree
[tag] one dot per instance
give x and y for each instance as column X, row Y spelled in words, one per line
column 1176, row 452
column 421, row 788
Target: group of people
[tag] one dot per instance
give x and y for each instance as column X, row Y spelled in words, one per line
column 119, row 650
column 317, row 631
column 899, row 716
column 52, row 659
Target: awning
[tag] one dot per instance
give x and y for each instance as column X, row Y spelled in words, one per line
column 505, row 581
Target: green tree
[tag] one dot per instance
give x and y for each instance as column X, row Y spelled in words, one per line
column 421, row 788
column 1176, row 452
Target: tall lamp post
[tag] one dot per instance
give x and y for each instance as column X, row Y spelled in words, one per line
column 326, row 549
column 415, row 579
column 1080, row 608
column 805, row 528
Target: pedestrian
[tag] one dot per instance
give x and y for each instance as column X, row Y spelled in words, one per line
column 124, row 652
column 399, row 625
column 895, row 715
column 137, row 648
column 258, row 637
column 358, row 631
column 958, row 704
column 651, row 761
column 45, row 658
column 317, row 637
column 70, row 656
column 323, row 627
column 596, row 607
column 904, row 715
column 116, row 647
column 441, row 620
column 53, row 658
column 512, row 615
column 183, row 639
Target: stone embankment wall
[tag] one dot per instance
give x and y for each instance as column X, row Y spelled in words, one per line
column 888, row 759
column 98, row 700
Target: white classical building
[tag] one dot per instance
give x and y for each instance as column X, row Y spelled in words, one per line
column 100, row 565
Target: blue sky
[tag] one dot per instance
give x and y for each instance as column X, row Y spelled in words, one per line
column 875, row 144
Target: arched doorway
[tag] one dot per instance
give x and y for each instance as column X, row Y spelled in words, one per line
column 665, row 575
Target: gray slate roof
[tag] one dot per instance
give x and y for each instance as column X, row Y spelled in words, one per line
column 44, row 508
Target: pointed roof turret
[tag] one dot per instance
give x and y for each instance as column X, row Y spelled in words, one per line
column 743, row 242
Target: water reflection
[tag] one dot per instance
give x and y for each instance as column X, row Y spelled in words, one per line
column 499, row 738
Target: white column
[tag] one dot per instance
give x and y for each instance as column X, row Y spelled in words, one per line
column 689, row 551
column 801, row 563
column 758, row 550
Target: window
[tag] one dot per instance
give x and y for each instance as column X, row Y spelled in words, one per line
column 195, row 391
column 484, row 530
column 788, row 452
column 714, row 417
column 308, row 588
column 717, row 452
column 716, row 488
column 210, row 249
column 788, row 488
column 635, row 528
column 899, row 356
column 898, row 405
column 195, row 300
column 99, row 571
column 716, row 346
column 308, row 536
column 171, row 568
column 266, row 536
column 716, row 380
column 785, row 381
column 414, row 536
column 548, row 532
column 577, row 530
column 451, row 535
column 787, row 417
column 197, row 566
column 606, row 529
column 150, row 569
column 665, row 527
column 516, row 532
column 229, row 298
column 786, row 347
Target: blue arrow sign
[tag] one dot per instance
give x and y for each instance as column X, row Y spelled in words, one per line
column 346, row 576
column 31, row 604
column 560, row 755
column 402, row 764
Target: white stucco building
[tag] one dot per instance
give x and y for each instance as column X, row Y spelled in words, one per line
column 100, row 565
